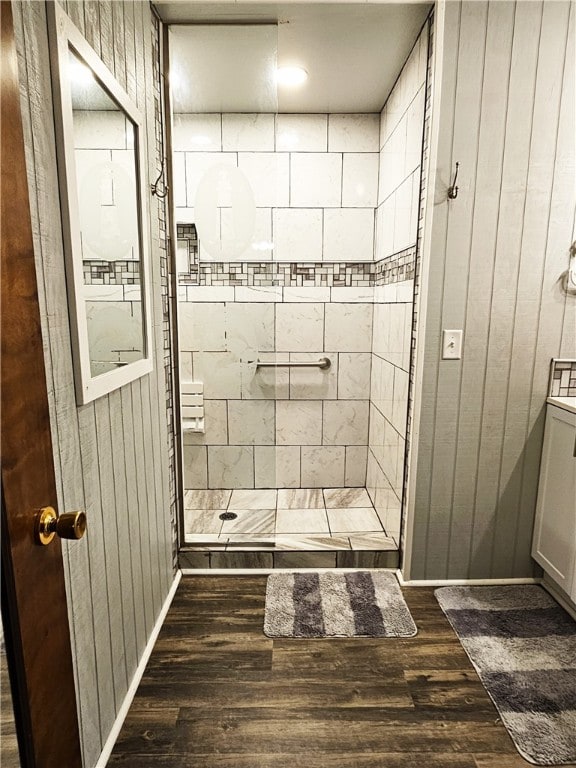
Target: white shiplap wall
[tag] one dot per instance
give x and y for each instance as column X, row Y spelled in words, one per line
column 497, row 253
column 111, row 456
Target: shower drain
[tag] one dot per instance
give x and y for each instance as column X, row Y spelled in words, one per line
column 228, row 516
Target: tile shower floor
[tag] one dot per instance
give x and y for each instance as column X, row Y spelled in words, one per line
column 284, row 519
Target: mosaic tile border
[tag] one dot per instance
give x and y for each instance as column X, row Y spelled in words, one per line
column 396, row 268
column 293, row 274
column 121, row 272
column 562, row 378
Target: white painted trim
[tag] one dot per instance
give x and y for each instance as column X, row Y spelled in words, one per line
column 421, row 302
column 268, row 571
column 64, row 36
column 123, row 711
column 559, row 596
column 463, row 582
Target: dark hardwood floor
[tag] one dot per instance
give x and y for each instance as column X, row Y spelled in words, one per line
column 217, row 692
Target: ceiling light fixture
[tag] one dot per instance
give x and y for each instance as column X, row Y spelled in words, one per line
column 291, row 76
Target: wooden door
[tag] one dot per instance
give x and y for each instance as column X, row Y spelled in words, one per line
column 34, row 598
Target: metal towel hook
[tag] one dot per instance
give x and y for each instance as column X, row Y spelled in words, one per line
column 453, row 190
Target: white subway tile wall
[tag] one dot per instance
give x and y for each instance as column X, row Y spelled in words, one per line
column 281, row 427
column 401, row 137
column 329, row 189
column 314, row 177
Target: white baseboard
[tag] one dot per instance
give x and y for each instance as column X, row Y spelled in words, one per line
column 123, row 711
column 462, row 582
column 560, row 597
column 268, row 571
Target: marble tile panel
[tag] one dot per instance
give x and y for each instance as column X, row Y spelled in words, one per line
column 298, row 422
column 243, row 559
column 345, row 422
column 187, row 559
column 301, row 521
column 205, row 542
column 301, row 133
column 179, row 180
column 314, row 383
column 251, row 422
column 405, row 291
column 204, row 499
column 197, row 132
column 220, row 372
column 316, row 180
column 250, row 329
column 299, row 327
column 197, row 293
column 230, row 466
column 376, row 434
column 262, row 293
column 353, row 520
column 352, row 295
column 301, row 498
column 349, row 234
column 389, row 509
column 253, row 499
column 304, row 559
column 353, row 132
column 323, row 466
column 348, row 327
column 248, row 132
column 400, row 403
column 360, row 180
column 202, row 521
column 95, row 292
column 354, row 375
column 367, row 559
column 266, row 383
column 197, row 164
column 216, row 426
column 342, row 498
column 277, row 466
column 195, row 466
column 297, row 234
column 252, row 521
column 355, row 468
column 308, row 294
column 294, row 541
column 268, row 175
column 378, row 541
column 202, row 327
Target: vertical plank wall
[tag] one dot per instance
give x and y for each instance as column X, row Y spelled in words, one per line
column 497, row 254
column 111, row 456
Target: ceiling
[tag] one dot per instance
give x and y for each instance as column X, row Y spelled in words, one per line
column 223, row 55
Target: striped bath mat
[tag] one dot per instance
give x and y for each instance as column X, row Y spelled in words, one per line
column 523, row 646
column 359, row 604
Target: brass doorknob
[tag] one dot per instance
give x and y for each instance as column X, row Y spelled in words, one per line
column 68, row 525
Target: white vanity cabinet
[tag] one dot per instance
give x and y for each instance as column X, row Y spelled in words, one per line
column 554, row 542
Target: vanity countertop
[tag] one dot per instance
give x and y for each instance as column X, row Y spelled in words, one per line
column 568, row 403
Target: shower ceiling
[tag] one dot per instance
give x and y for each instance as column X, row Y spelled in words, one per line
column 352, row 53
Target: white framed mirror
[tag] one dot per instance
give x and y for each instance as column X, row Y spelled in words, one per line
column 103, row 195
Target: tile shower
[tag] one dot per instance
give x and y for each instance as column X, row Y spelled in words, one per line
column 330, row 273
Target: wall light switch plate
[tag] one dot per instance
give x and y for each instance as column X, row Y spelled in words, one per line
column 451, row 345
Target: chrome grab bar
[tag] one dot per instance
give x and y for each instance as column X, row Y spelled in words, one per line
column 324, row 363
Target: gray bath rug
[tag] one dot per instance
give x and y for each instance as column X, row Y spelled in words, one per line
column 523, row 646
column 359, row 604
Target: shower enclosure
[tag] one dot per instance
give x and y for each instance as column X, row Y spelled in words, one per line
column 297, row 247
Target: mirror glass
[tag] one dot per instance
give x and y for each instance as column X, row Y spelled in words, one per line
column 106, row 169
